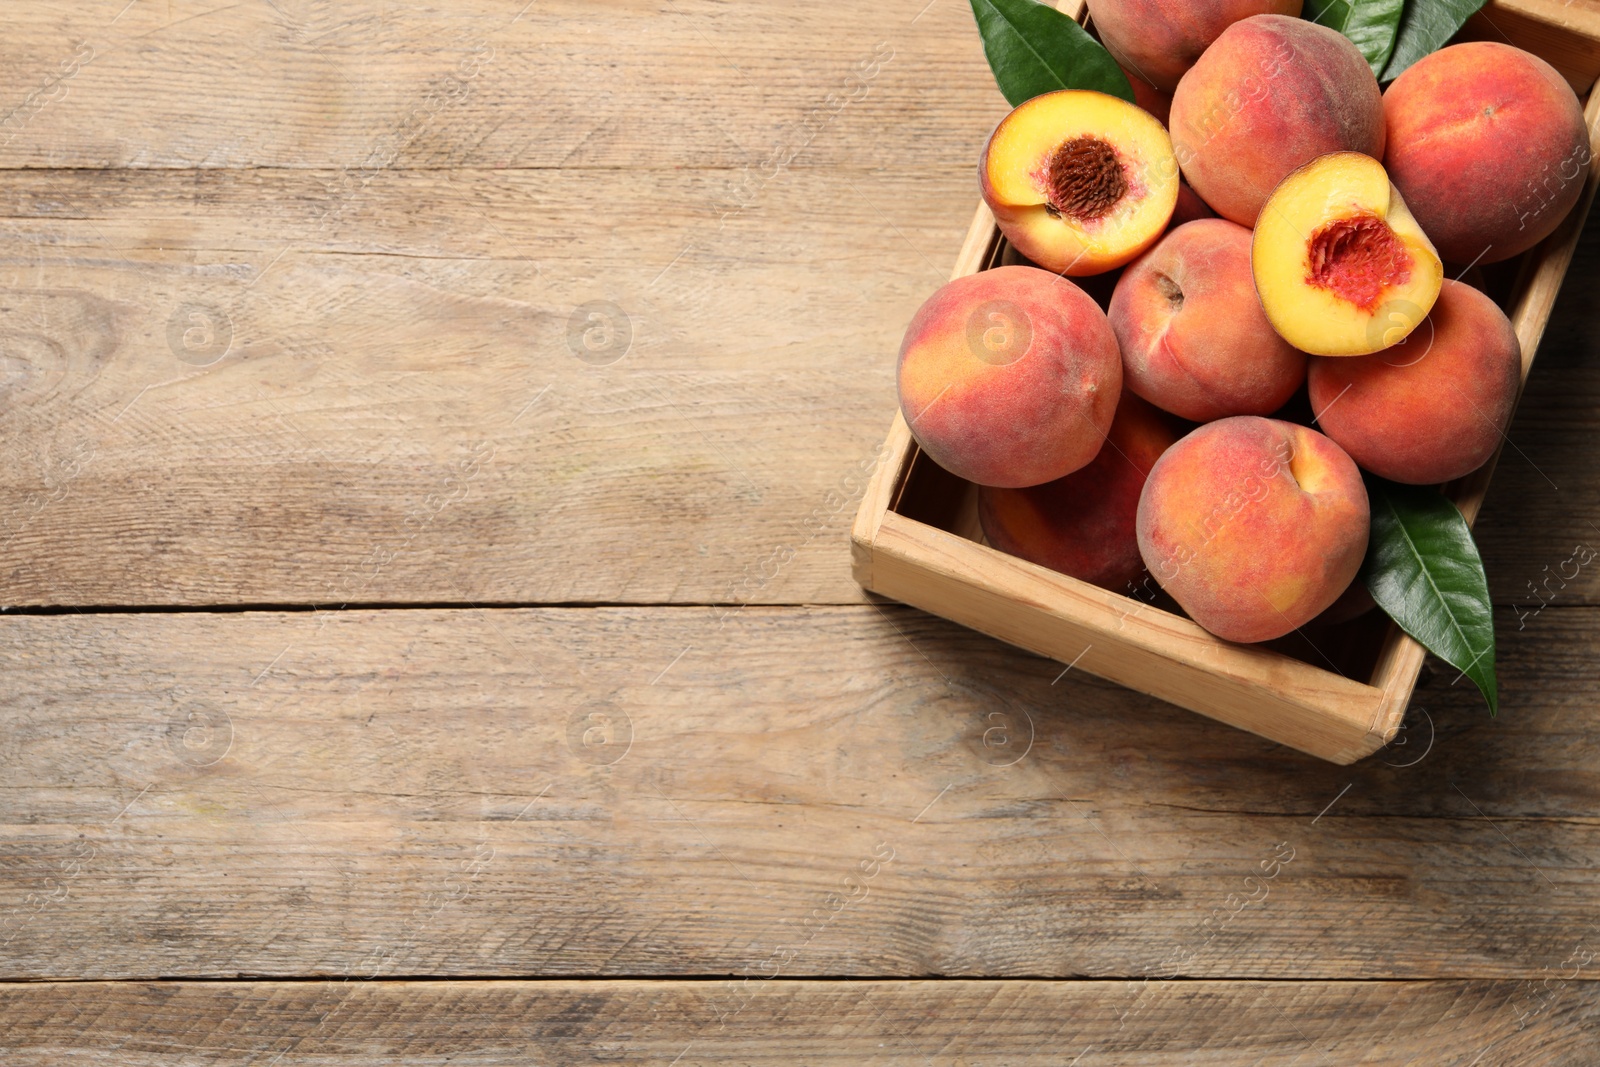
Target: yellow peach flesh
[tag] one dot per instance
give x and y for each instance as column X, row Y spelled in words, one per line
column 1079, row 181
column 1340, row 264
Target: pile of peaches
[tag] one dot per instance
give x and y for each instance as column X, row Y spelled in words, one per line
column 1261, row 251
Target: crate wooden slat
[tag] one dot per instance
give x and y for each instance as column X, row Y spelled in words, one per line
column 1561, row 31
column 944, row 568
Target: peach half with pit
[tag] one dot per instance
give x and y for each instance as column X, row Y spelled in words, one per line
column 1340, row 264
column 1255, row 526
column 1079, row 181
column 1010, row 377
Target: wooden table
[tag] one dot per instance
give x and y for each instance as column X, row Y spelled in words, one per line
column 430, row 437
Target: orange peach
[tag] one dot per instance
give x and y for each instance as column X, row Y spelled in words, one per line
column 1254, row 526
column 1194, row 340
column 1272, row 94
column 1083, row 524
column 1488, row 145
column 1010, row 377
column 1080, row 182
column 1158, row 40
column 1433, row 408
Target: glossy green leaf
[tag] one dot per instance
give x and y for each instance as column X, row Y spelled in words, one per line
column 1034, row 49
column 1423, row 568
column 1371, row 24
column 1425, row 26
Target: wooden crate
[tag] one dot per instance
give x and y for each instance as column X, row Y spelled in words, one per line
column 916, row 537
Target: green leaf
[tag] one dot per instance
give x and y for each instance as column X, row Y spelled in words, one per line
column 1371, row 24
column 1425, row 27
column 1423, row 568
column 1034, row 49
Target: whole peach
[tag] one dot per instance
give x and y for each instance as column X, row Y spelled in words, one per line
column 1194, row 339
column 1009, row 377
column 1158, row 40
column 1432, row 408
column 1254, row 526
column 1083, row 524
column 1271, row 94
column 1487, row 144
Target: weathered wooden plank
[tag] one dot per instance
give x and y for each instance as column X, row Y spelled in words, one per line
column 1539, row 513
column 621, row 84
column 828, row 791
column 199, row 408
column 1088, row 1024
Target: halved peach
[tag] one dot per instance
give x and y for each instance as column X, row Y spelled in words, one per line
column 1080, row 182
column 1340, row 265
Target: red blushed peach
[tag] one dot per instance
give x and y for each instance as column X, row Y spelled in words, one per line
column 1159, row 40
column 1147, row 96
column 1272, row 94
column 1488, row 146
column 1254, row 526
column 1434, row 407
column 1010, row 377
column 1193, row 336
column 1083, row 524
column 1080, row 182
column 1189, row 208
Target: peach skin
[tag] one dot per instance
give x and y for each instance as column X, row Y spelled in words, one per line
column 1009, row 377
column 1190, row 207
column 1254, row 526
column 1193, row 336
column 1159, row 40
column 1488, row 145
column 1433, row 408
column 1083, row 524
column 1272, row 94
column 1147, row 96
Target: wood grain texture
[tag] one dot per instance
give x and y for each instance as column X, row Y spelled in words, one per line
column 400, row 248
column 1540, row 506
column 575, row 84
column 845, row 791
column 320, row 459
column 860, row 1024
